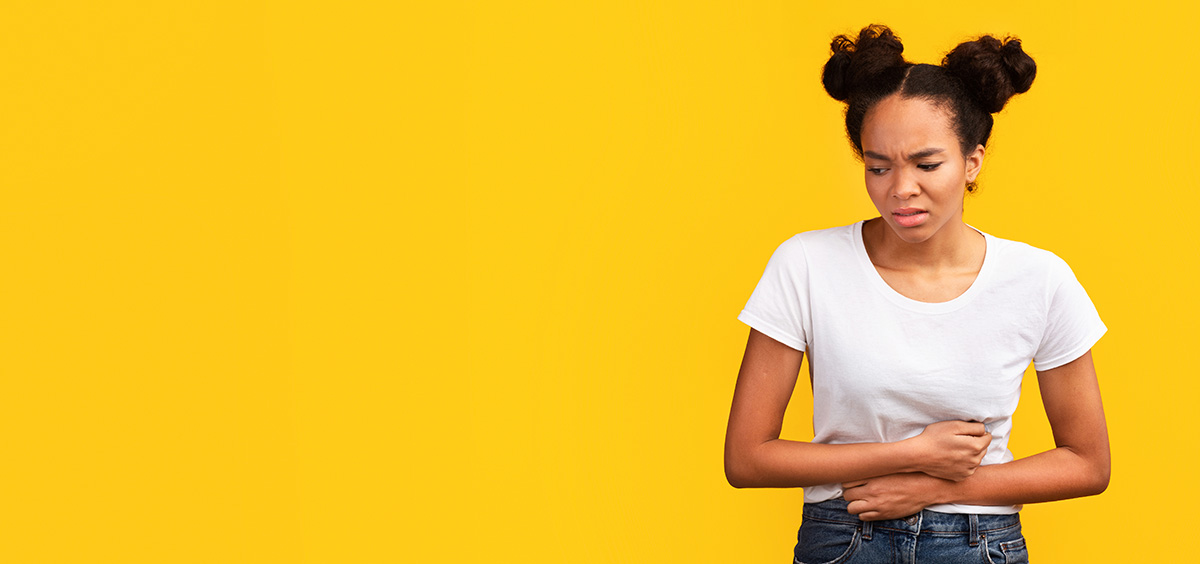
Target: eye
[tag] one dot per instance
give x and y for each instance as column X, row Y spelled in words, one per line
column 929, row 166
column 877, row 171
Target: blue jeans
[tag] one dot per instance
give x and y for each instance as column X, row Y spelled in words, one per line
column 829, row 534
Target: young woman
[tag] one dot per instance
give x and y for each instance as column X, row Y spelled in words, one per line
column 918, row 329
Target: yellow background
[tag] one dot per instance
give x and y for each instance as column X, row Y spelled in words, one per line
column 295, row 282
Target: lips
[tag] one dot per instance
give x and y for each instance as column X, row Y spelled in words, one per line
column 910, row 217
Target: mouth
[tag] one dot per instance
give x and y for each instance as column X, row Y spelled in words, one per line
column 910, row 217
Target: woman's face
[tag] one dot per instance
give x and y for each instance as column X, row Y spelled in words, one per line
column 916, row 173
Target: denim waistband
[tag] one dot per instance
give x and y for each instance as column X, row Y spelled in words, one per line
column 926, row 521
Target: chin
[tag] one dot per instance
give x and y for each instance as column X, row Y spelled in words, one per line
column 918, row 234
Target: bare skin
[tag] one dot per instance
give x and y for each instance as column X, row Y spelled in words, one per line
column 914, row 164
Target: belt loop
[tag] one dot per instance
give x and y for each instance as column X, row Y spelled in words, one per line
column 867, row 527
column 974, row 520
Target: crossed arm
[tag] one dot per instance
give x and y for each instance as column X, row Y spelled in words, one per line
column 941, row 465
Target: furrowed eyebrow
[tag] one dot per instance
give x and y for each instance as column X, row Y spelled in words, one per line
column 925, row 153
column 917, row 155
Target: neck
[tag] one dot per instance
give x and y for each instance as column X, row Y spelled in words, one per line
column 954, row 246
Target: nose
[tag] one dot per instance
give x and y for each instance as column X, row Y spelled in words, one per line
column 906, row 185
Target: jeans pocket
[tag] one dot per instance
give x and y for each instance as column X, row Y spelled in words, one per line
column 1015, row 551
column 1005, row 549
column 823, row 542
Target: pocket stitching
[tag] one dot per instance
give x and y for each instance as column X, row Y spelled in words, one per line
column 1012, row 548
column 983, row 547
column 854, row 541
column 1015, row 544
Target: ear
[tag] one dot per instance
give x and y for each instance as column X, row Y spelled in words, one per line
column 974, row 162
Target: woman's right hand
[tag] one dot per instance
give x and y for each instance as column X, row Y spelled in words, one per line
column 951, row 450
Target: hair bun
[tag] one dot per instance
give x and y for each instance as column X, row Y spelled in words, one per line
column 856, row 61
column 992, row 70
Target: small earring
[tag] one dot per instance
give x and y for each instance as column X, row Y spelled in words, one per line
column 972, row 187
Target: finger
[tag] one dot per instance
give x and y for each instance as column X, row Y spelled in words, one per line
column 857, row 506
column 854, row 484
column 972, row 428
column 869, row 516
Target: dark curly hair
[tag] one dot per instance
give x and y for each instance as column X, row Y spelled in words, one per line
column 975, row 80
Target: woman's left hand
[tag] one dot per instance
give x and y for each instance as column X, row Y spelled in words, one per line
column 892, row 496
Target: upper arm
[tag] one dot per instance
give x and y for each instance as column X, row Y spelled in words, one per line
column 1071, row 397
column 765, row 383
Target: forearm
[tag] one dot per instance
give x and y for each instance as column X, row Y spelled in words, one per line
column 1061, row 473
column 780, row 463
column 1078, row 467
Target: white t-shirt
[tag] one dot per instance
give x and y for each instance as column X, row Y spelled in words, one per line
column 884, row 366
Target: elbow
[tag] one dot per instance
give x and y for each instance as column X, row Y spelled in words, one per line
column 740, row 481
column 1096, row 478
column 1102, row 472
column 736, row 473
column 747, row 464
column 735, row 481
column 1100, row 479
column 1091, row 472
column 739, row 469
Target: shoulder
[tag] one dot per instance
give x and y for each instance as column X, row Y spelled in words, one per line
column 819, row 241
column 1029, row 261
column 798, row 251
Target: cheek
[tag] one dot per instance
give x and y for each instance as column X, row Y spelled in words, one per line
column 877, row 186
column 876, row 193
column 950, row 180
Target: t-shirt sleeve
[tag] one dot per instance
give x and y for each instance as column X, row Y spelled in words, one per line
column 778, row 307
column 1072, row 324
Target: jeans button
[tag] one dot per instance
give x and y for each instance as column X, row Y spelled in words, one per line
column 911, row 519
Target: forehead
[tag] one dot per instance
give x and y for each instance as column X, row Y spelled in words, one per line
column 902, row 125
